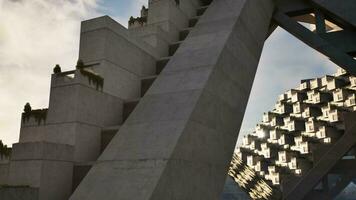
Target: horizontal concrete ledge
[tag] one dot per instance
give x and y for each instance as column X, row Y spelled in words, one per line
column 19, row 193
column 42, row 151
column 149, row 163
column 64, row 123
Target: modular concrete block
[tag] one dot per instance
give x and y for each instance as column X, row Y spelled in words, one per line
column 47, row 166
column 104, row 39
column 168, row 15
column 178, row 142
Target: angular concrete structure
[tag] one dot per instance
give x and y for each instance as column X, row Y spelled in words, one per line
column 178, row 141
column 163, row 100
column 153, row 111
column 297, row 153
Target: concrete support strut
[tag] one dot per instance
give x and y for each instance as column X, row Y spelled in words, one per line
column 178, row 142
column 316, row 42
column 326, row 163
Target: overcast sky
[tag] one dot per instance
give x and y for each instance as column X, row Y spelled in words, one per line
column 37, row 34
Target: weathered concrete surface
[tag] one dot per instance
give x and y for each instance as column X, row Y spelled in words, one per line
column 19, row 193
column 178, row 142
column 42, row 165
column 344, row 11
column 4, row 170
column 123, row 59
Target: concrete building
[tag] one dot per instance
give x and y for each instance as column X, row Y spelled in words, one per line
column 152, row 111
column 312, row 137
column 147, row 80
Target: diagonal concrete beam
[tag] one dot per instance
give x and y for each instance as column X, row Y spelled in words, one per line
column 317, row 195
column 316, row 42
column 327, row 162
column 345, row 168
column 340, row 186
column 178, row 142
column 344, row 12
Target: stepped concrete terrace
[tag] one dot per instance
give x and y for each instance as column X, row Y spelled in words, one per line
column 153, row 111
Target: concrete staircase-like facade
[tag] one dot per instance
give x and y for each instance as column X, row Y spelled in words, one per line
column 308, row 135
column 151, row 111
column 107, row 133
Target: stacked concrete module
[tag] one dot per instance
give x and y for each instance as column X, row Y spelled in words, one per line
column 90, row 108
column 313, row 126
column 200, row 60
column 180, row 165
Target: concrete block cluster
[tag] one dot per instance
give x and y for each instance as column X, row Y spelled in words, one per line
column 121, row 119
column 291, row 139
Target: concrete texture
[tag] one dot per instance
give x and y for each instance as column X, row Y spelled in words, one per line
column 46, row 166
column 345, row 11
column 178, row 142
column 327, row 161
column 4, row 169
column 19, row 193
column 77, row 113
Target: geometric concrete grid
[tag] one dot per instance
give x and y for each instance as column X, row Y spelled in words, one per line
column 308, row 138
column 308, row 135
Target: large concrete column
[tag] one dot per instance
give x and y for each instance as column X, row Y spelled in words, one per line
column 178, row 142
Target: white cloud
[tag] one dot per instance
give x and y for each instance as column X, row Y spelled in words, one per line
column 34, row 36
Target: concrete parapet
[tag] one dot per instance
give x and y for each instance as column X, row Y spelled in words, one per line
column 103, row 37
column 42, row 151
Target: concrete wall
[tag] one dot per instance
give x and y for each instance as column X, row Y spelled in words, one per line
column 4, row 170
column 119, row 82
column 104, row 39
column 42, row 165
column 178, row 142
column 169, row 16
column 81, row 103
column 78, row 110
column 165, row 20
column 344, row 10
column 85, row 138
column 56, row 180
column 153, row 35
column 19, row 193
column 77, row 113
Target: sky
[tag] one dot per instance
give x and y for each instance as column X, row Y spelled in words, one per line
column 35, row 35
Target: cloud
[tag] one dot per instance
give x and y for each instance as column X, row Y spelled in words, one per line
column 34, row 36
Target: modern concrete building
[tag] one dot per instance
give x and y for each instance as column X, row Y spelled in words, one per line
column 316, row 133
column 152, row 111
